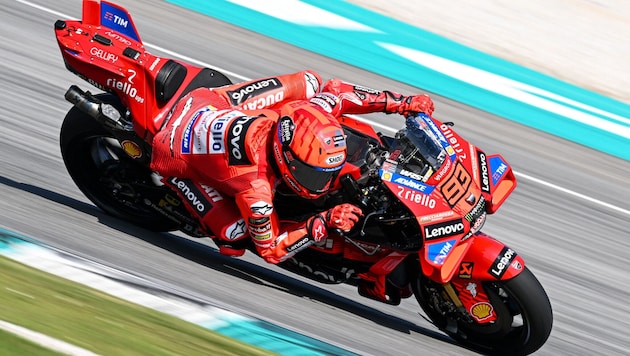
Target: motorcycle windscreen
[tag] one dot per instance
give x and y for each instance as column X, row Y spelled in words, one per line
column 417, row 149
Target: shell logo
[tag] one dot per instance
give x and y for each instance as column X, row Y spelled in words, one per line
column 132, row 149
column 481, row 310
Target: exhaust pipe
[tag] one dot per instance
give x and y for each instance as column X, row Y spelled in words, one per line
column 104, row 113
column 80, row 99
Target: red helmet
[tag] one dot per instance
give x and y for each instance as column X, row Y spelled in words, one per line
column 309, row 147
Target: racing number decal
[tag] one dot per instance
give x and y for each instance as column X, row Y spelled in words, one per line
column 454, row 188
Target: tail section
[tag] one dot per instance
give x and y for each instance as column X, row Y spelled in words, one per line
column 107, row 14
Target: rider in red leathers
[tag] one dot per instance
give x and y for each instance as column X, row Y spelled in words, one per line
column 225, row 150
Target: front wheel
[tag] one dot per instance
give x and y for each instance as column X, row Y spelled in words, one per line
column 524, row 315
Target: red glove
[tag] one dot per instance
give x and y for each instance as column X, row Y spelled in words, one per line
column 342, row 217
column 414, row 104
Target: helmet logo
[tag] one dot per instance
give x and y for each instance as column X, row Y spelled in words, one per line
column 335, row 160
column 285, row 130
column 340, row 140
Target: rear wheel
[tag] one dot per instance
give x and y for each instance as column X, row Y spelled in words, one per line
column 105, row 174
column 524, row 316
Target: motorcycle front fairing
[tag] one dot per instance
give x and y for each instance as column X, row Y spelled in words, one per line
column 450, row 186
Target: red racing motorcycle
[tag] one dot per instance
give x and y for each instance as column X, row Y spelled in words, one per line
column 425, row 192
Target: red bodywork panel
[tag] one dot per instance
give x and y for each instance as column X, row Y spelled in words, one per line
column 106, row 50
column 451, row 205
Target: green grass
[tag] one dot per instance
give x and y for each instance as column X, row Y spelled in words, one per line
column 97, row 321
column 14, row 345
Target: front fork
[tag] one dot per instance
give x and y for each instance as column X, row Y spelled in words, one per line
column 484, row 260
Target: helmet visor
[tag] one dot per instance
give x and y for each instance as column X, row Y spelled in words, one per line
column 314, row 179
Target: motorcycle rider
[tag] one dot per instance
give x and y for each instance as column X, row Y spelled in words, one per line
column 225, row 150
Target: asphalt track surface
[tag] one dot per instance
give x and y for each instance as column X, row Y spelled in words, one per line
column 568, row 216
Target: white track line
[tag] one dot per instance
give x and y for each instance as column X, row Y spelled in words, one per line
column 235, row 75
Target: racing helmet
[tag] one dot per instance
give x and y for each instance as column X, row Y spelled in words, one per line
column 309, row 148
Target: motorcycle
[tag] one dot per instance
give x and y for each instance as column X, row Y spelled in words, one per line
column 425, row 192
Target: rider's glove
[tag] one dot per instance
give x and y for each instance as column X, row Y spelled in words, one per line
column 342, row 217
column 412, row 105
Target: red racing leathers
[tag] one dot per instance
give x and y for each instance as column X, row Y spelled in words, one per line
column 215, row 148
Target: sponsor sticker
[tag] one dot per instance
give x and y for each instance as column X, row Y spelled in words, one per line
column 481, row 310
column 126, row 87
column 367, row 90
column 317, row 228
column 261, row 208
column 502, row 262
column 415, row 197
column 411, row 183
column 132, row 149
column 436, row 216
column 286, row 127
column 248, row 91
column 336, row 159
column 192, row 195
column 410, row 174
column 236, row 230
column 386, row 175
column 437, row 252
column 466, row 270
column 187, row 134
column 103, row 54
column 236, row 141
column 454, row 142
column 477, row 210
column 484, row 176
column 498, row 168
column 118, row 20
column 444, row 229
column 472, row 289
column 300, row 244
